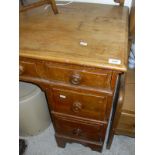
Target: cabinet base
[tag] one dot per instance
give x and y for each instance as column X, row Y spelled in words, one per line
column 62, row 140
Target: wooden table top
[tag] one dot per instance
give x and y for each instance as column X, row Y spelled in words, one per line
column 104, row 28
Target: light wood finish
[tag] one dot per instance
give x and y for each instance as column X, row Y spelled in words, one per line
column 105, row 31
column 132, row 21
column 132, row 24
column 24, row 7
column 54, row 7
column 126, row 123
column 79, row 83
column 129, row 99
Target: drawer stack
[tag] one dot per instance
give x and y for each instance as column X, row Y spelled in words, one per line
column 79, row 98
column 76, row 58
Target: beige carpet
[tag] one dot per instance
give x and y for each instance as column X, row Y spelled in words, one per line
column 44, row 144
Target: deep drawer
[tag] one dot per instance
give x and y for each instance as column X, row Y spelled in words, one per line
column 80, row 129
column 80, row 104
column 76, row 75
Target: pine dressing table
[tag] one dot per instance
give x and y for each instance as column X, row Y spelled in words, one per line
column 77, row 58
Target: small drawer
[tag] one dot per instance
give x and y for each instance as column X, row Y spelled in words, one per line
column 76, row 75
column 27, row 68
column 79, row 103
column 80, row 129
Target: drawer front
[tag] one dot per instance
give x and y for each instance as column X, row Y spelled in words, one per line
column 80, row 129
column 81, row 76
column 28, row 68
column 79, row 104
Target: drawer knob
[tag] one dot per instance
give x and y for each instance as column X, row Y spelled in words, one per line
column 77, row 132
column 21, row 70
column 76, row 107
column 75, row 79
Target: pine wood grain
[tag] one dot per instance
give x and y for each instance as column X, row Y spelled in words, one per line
column 57, row 37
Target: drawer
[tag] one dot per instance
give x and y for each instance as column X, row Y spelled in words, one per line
column 28, row 68
column 76, row 75
column 80, row 129
column 80, row 104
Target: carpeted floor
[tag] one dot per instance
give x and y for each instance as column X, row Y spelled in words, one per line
column 44, row 144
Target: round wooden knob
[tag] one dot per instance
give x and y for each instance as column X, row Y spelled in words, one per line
column 75, row 79
column 76, row 107
column 77, row 132
column 21, row 70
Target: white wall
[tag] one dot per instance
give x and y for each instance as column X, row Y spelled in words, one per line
column 127, row 2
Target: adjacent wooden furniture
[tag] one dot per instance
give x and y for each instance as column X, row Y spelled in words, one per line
column 78, row 59
column 25, row 7
column 126, row 122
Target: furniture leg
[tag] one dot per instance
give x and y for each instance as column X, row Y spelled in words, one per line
column 53, row 5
